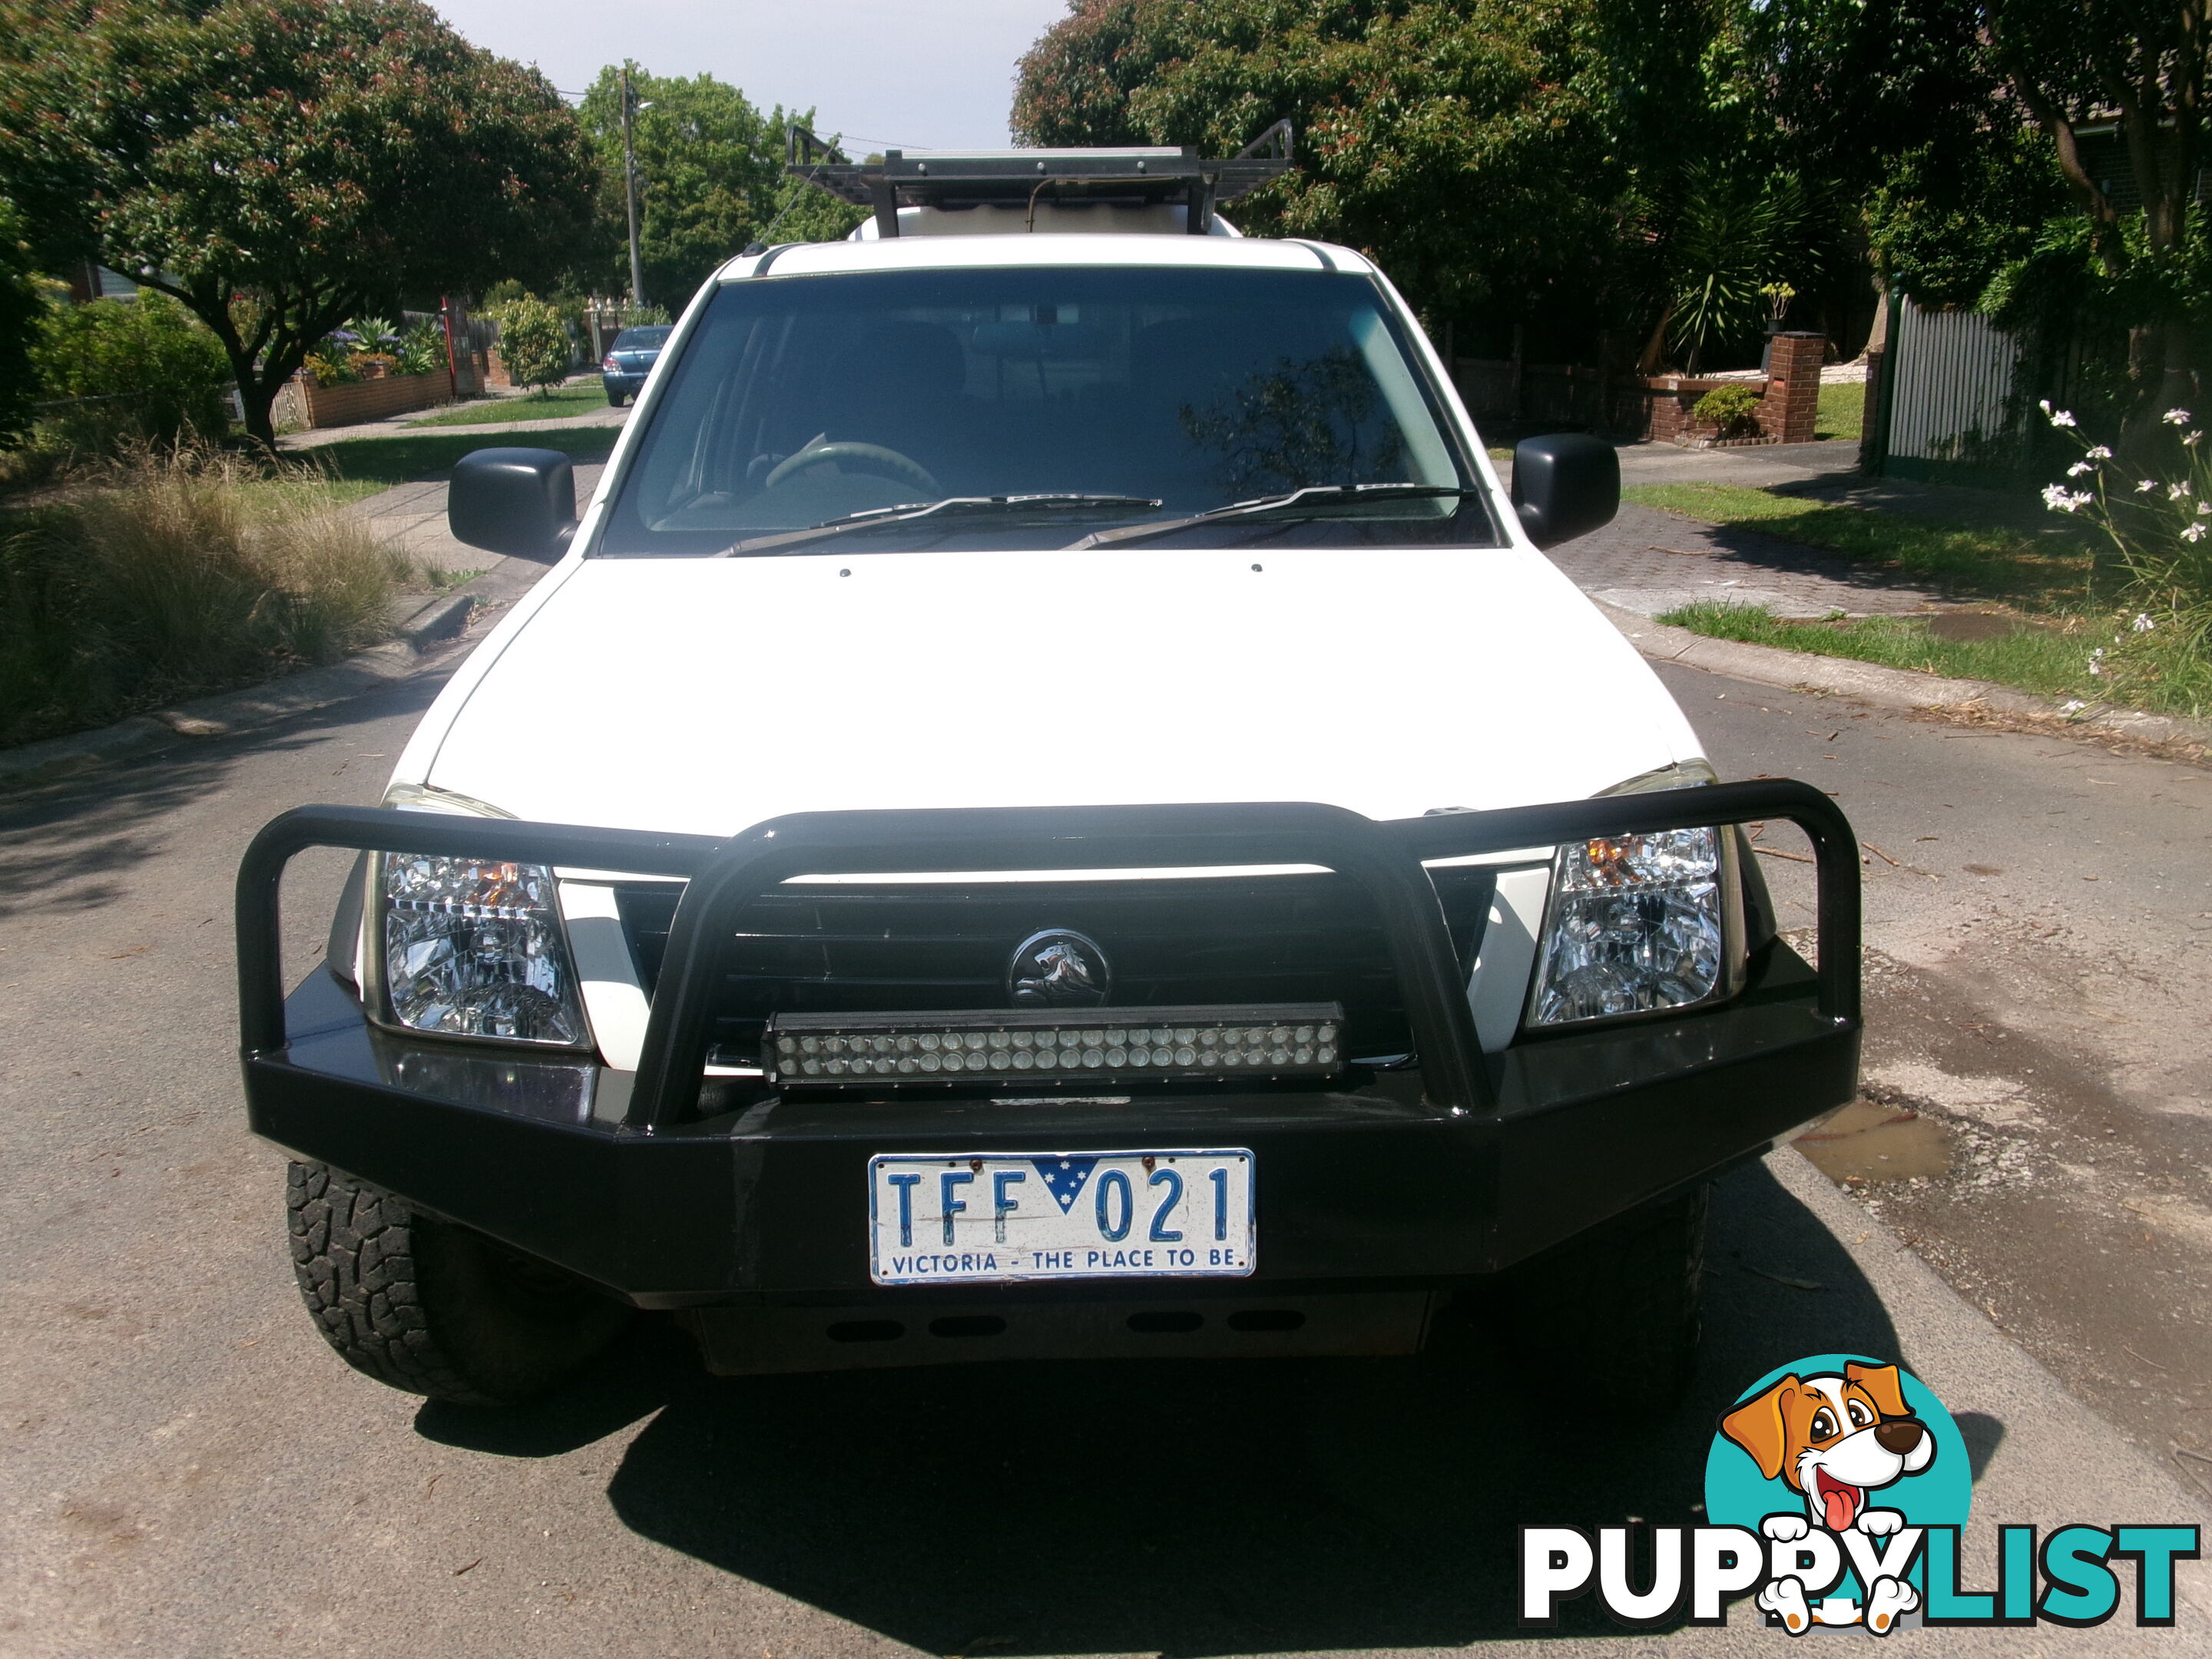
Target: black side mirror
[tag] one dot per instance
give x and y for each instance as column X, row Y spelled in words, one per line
column 1564, row 486
column 517, row 501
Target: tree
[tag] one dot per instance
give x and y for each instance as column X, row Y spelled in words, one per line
column 22, row 309
column 710, row 178
column 534, row 343
column 278, row 165
column 1462, row 143
column 2141, row 65
column 162, row 369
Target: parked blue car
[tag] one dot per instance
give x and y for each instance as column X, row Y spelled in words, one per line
column 630, row 359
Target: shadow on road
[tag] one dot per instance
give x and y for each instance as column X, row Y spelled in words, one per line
column 1185, row 1508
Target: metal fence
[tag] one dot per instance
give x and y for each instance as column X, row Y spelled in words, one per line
column 1951, row 405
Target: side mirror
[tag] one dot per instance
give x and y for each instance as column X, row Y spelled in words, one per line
column 517, row 501
column 1564, row 486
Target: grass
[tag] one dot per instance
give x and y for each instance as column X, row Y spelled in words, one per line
column 2039, row 570
column 160, row 577
column 1843, row 411
column 2051, row 662
column 577, row 398
column 378, row 462
column 2072, row 645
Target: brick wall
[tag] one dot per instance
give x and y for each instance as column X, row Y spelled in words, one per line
column 1791, row 411
column 353, row 402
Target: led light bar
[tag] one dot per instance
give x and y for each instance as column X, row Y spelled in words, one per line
column 1260, row 1041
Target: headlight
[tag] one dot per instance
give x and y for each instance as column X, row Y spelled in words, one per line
column 1636, row 922
column 474, row 948
column 1640, row 922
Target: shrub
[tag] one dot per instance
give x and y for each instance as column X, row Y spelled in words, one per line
column 1733, row 410
column 22, row 315
column 178, row 572
column 158, row 366
column 423, row 350
column 2153, row 509
column 534, row 343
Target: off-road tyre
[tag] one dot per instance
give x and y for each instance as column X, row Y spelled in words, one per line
column 432, row 1308
column 1626, row 1294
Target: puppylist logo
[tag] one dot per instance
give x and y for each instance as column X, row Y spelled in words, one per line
column 1837, row 1491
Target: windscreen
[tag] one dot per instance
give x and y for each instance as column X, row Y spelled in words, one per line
column 802, row 400
column 641, row 339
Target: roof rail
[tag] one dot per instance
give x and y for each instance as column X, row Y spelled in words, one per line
column 945, row 179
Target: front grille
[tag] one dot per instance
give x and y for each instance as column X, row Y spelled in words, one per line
column 817, row 948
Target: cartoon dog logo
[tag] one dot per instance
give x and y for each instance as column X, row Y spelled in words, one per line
column 1834, row 1437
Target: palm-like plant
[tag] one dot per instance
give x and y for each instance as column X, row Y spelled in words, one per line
column 1733, row 239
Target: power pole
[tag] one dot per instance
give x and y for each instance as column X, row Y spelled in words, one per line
column 630, row 186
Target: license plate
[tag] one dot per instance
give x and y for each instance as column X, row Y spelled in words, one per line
column 937, row 1219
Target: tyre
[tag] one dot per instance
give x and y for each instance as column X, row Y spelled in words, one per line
column 1625, row 1293
column 618, row 400
column 433, row 1307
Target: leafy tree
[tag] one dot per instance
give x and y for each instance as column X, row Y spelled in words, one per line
column 534, row 343
column 2143, row 65
column 710, row 178
column 1734, row 236
column 1465, row 144
column 276, row 165
column 164, row 367
column 22, row 309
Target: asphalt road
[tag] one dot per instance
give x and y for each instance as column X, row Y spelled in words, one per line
column 185, row 1470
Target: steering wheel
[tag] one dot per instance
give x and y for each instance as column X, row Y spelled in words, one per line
column 873, row 458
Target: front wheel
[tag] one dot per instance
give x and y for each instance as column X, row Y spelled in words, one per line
column 433, row 1307
column 1624, row 1293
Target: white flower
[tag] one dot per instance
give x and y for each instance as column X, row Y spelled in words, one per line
column 2193, row 532
column 2146, row 486
column 2171, row 417
column 2192, row 438
column 2178, row 492
column 2059, row 499
column 2203, row 507
column 2143, row 624
column 2097, row 661
column 2060, row 417
column 2078, row 469
column 2072, row 706
column 2099, row 452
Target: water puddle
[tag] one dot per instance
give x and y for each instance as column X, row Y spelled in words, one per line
column 1867, row 1141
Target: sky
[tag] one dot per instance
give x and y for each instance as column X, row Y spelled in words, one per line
column 916, row 73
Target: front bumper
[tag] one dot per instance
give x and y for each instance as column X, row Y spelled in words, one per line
column 675, row 1194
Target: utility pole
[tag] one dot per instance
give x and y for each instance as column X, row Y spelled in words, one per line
column 629, row 186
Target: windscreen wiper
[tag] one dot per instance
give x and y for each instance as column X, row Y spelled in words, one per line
column 1041, row 508
column 1314, row 502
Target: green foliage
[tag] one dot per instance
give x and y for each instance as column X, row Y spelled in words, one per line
column 22, row 314
column 710, row 178
column 422, row 350
column 1733, row 409
column 1945, row 221
column 159, row 369
column 534, row 343
column 306, row 154
column 2152, row 510
column 1466, row 145
column 1734, row 237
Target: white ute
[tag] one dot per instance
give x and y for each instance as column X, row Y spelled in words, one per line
column 1058, row 808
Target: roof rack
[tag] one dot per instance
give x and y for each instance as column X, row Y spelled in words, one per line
column 949, row 179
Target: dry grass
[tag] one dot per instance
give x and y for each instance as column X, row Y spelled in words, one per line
column 161, row 575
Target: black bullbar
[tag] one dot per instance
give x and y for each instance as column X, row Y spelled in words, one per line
column 1460, row 1165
